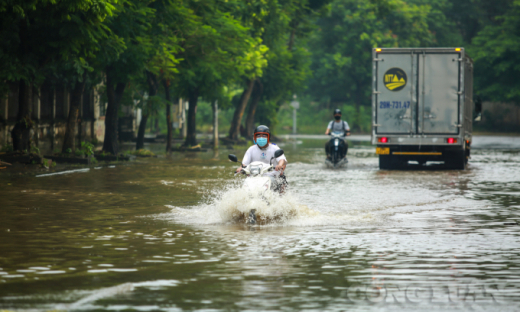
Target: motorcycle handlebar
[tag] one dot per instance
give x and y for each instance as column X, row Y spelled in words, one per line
column 243, row 172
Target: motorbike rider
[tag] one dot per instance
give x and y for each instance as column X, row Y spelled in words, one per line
column 337, row 125
column 263, row 151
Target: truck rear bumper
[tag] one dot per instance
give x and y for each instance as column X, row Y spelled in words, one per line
column 431, row 152
column 418, row 140
column 408, row 156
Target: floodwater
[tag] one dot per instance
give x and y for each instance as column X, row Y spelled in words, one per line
column 156, row 235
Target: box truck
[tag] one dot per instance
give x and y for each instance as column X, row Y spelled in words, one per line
column 422, row 107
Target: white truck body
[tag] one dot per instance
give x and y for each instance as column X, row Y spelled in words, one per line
column 422, row 106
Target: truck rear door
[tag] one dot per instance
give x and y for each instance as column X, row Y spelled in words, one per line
column 438, row 96
column 395, row 109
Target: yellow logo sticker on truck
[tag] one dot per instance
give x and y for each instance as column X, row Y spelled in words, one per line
column 395, row 79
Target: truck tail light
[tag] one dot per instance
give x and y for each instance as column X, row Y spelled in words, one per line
column 451, row 140
column 382, row 140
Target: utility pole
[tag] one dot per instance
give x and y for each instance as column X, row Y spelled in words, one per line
column 296, row 105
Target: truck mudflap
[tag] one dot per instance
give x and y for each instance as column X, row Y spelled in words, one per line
column 412, row 157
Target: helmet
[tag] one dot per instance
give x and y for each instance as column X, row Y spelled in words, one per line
column 337, row 111
column 263, row 130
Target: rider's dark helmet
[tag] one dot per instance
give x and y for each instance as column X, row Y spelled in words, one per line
column 337, row 111
column 262, row 130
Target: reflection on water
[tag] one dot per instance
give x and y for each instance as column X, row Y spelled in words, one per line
column 155, row 235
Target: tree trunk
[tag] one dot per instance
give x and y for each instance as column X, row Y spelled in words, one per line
column 191, row 139
column 169, row 126
column 239, row 111
column 21, row 133
column 153, row 86
column 250, row 119
column 214, row 107
column 76, row 99
column 235, row 115
column 291, row 40
column 110, row 144
column 140, row 133
column 292, row 35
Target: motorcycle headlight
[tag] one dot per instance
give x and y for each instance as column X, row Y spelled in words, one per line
column 336, row 142
column 255, row 170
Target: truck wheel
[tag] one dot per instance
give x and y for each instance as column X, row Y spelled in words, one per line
column 384, row 162
column 455, row 160
column 467, row 154
column 389, row 162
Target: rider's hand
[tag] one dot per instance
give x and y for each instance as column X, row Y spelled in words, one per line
column 281, row 166
column 348, row 133
column 239, row 169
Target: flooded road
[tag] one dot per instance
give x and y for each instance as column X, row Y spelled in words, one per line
column 154, row 235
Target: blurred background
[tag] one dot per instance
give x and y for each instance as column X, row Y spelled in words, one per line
column 126, row 70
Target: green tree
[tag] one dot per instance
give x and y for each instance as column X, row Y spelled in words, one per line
column 171, row 22
column 286, row 75
column 285, row 26
column 342, row 45
column 131, row 25
column 445, row 31
column 216, row 53
column 471, row 16
column 35, row 36
column 255, row 15
column 496, row 52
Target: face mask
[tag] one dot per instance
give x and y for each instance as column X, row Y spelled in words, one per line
column 261, row 141
column 337, row 117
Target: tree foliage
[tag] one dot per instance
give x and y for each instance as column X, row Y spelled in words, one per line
column 342, row 45
column 496, row 51
column 40, row 34
column 286, row 27
column 252, row 54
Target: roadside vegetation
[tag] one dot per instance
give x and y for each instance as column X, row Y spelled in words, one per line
column 251, row 56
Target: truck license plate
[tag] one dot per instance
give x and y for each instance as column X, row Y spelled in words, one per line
column 383, row 150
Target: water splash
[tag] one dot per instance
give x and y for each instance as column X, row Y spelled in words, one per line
column 233, row 203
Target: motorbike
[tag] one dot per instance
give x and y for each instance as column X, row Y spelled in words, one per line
column 337, row 145
column 258, row 184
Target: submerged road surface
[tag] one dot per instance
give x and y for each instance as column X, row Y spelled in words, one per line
column 155, row 235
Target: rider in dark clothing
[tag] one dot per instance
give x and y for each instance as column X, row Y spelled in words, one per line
column 337, row 125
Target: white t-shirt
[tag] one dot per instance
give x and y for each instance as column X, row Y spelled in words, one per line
column 338, row 126
column 255, row 153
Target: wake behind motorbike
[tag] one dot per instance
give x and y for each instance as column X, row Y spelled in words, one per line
column 260, row 185
column 336, row 150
